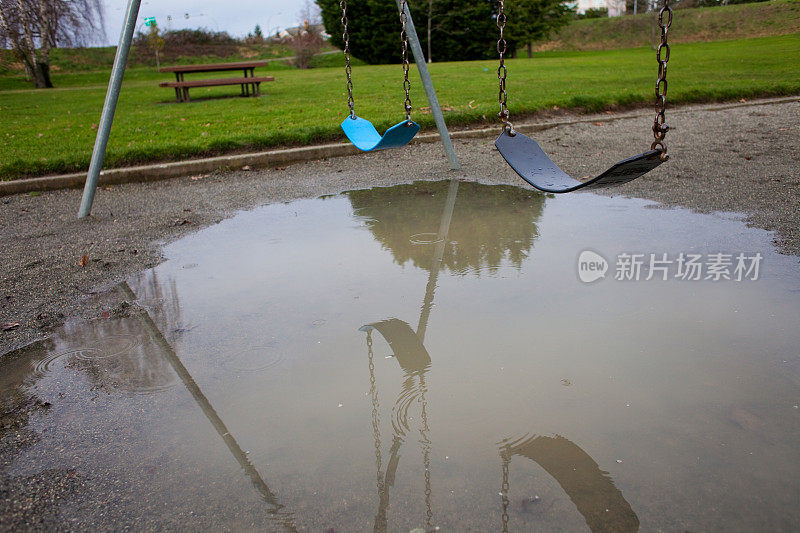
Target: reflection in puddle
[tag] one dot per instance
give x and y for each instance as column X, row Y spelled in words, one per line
column 616, row 405
column 589, row 488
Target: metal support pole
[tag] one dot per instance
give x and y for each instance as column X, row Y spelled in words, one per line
column 109, row 107
column 430, row 92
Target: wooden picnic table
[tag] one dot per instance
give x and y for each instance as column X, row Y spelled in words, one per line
column 247, row 81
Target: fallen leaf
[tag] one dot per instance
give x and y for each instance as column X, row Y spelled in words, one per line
column 84, row 260
column 180, row 222
column 9, row 326
column 597, row 123
column 246, row 167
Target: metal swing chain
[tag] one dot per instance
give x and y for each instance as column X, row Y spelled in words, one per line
column 347, row 68
column 504, row 491
column 660, row 127
column 426, row 452
column 404, row 39
column 376, row 432
column 502, row 71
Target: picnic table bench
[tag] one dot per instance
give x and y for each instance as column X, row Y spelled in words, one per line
column 248, row 81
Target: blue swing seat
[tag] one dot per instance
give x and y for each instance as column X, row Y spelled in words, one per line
column 366, row 138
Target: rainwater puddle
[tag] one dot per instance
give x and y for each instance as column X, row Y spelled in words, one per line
column 427, row 356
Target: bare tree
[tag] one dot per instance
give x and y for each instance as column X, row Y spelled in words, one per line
column 307, row 42
column 34, row 27
column 310, row 13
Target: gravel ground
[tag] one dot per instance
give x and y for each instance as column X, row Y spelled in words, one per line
column 741, row 159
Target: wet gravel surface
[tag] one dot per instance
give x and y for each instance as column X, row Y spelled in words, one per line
column 741, row 159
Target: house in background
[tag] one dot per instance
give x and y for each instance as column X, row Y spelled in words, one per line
column 615, row 7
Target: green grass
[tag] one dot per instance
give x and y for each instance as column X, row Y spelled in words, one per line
column 47, row 131
column 776, row 17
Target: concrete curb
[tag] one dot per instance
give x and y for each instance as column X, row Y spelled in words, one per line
column 273, row 158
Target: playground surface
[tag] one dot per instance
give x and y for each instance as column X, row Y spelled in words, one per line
column 738, row 160
column 245, row 350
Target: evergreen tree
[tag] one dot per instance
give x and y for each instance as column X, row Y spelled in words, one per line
column 373, row 25
column 532, row 20
column 460, row 29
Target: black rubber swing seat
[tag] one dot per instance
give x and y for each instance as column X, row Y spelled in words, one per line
column 528, row 160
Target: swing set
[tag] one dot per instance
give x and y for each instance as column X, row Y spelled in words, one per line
column 523, row 154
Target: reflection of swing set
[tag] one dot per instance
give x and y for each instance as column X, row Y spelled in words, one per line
column 409, row 350
column 591, row 490
column 277, row 515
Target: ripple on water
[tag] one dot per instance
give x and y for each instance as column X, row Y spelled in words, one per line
column 45, row 365
column 499, row 271
column 425, row 238
column 401, row 413
column 110, row 346
column 120, row 362
column 251, row 360
column 144, row 388
column 515, row 442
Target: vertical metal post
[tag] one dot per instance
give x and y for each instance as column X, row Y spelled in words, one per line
column 430, row 92
column 109, row 107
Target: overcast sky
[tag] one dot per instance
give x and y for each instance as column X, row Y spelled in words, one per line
column 237, row 17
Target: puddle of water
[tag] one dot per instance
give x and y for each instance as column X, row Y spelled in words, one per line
column 425, row 355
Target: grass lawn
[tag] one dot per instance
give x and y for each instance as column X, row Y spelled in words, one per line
column 47, row 131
